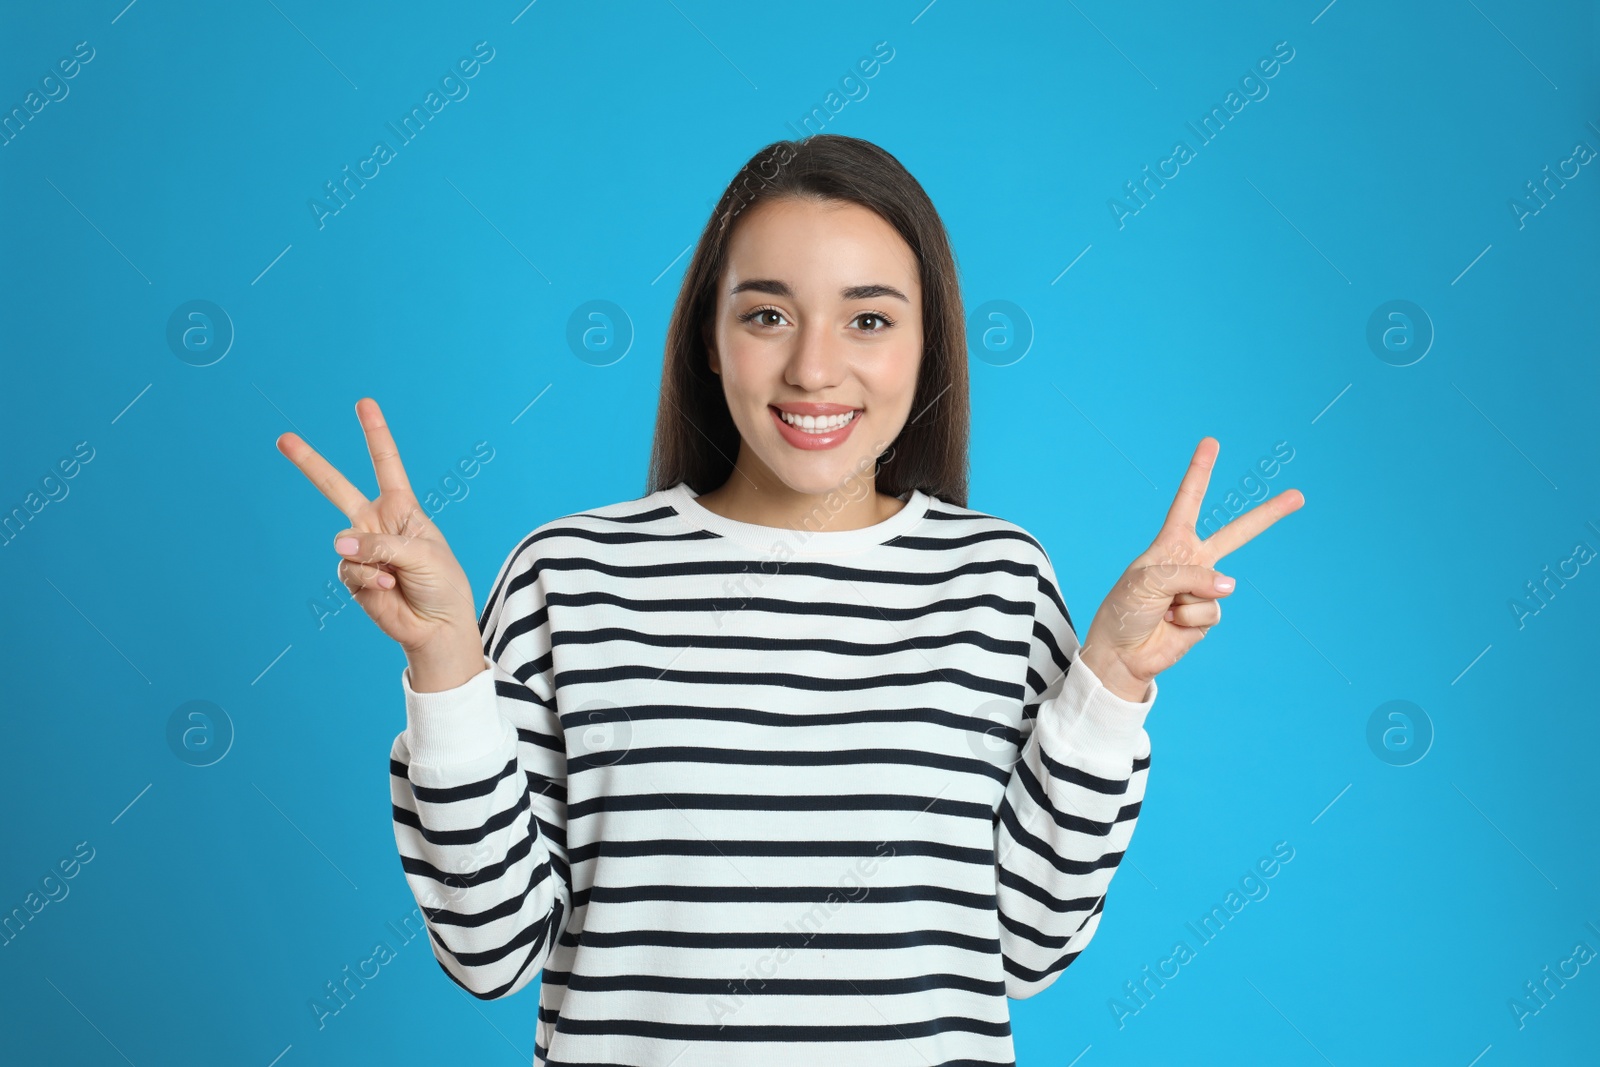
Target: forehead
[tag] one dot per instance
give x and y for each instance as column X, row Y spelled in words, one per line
column 818, row 246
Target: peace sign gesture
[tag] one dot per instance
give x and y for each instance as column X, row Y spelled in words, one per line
column 396, row 563
column 1170, row 595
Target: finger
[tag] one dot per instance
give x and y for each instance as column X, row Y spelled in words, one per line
column 1181, row 599
column 407, row 518
column 359, row 576
column 1246, row 526
column 1206, row 613
column 1185, row 510
column 381, row 446
column 379, row 549
column 333, row 485
column 1185, row 584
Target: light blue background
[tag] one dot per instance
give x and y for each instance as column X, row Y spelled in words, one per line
column 183, row 563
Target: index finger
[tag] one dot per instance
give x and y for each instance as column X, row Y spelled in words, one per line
column 1185, row 510
column 335, row 486
column 381, row 446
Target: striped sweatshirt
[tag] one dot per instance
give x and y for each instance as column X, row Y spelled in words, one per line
column 744, row 795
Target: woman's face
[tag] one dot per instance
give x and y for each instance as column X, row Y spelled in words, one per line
column 819, row 312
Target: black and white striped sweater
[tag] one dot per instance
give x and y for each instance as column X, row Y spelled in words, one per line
column 746, row 795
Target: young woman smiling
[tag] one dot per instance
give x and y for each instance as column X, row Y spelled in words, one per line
column 795, row 756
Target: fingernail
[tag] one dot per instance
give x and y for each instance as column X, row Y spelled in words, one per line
column 1224, row 583
column 346, row 546
column 1171, row 614
column 386, row 580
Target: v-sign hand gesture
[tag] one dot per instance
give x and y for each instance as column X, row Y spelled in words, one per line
column 396, row 563
column 1170, row 595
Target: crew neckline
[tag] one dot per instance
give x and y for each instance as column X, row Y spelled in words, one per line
column 798, row 542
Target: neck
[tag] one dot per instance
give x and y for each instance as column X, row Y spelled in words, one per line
column 760, row 497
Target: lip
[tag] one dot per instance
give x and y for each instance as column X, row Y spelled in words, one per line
column 799, row 407
column 812, row 442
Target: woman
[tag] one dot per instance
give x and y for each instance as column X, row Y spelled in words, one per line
column 796, row 755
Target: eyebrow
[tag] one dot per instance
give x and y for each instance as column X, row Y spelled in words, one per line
column 777, row 287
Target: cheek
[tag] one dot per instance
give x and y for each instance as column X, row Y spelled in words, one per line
column 745, row 382
column 894, row 374
column 749, row 368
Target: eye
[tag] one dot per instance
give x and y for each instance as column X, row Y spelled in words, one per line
column 885, row 320
column 766, row 309
column 880, row 322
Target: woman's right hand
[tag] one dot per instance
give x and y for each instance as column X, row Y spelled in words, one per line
column 400, row 571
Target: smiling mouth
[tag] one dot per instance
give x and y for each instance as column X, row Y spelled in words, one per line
column 817, row 424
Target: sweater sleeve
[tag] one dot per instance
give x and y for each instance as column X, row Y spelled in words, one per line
column 478, row 784
column 1070, row 804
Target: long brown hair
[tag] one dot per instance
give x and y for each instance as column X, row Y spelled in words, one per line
column 696, row 439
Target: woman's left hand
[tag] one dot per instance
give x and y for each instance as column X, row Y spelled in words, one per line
column 1169, row 596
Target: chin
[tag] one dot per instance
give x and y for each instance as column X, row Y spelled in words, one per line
column 825, row 473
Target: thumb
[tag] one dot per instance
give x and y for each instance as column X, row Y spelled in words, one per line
column 379, row 549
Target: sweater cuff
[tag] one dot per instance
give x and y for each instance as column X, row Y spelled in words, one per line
column 453, row 726
column 1092, row 720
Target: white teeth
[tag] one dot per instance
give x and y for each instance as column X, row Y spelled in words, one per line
column 813, row 424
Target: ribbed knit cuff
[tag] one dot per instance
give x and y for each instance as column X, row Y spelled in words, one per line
column 1091, row 721
column 454, row 727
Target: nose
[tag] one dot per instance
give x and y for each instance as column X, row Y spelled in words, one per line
column 818, row 360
